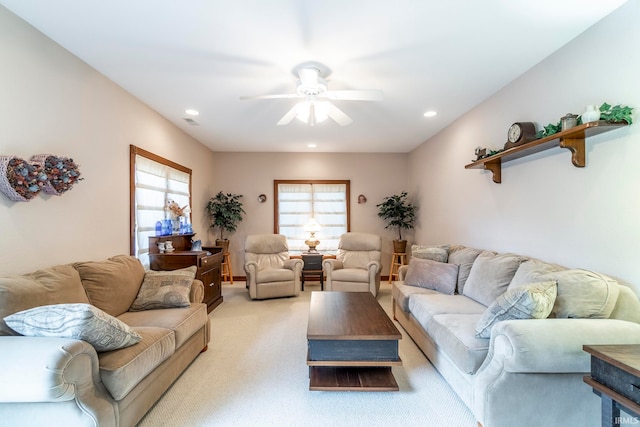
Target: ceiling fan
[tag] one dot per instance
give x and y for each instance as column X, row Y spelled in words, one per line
column 312, row 88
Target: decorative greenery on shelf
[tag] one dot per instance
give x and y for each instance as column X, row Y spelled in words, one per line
column 617, row 113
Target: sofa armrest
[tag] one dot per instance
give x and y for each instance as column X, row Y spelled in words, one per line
column 37, row 369
column 553, row 345
column 402, row 272
column 197, row 291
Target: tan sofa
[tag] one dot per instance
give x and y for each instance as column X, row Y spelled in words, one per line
column 44, row 379
column 528, row 371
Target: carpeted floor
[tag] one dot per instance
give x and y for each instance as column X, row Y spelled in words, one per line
column 255, row 374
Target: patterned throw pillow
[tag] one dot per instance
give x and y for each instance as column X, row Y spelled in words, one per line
column 165, row 289
column 435, row 253
column 78, row 321
column 532, row 301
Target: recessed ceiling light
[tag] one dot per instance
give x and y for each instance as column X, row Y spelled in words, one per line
column 192, row 112
column 311, row 145
column 430, row 113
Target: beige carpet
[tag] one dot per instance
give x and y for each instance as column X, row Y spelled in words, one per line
column 255, row 374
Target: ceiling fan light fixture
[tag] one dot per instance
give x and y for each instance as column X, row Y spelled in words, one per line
column 312, row 112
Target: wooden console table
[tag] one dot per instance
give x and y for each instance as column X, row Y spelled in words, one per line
column 615, row 377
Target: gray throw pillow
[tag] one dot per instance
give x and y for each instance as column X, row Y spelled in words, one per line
column 429, row 274
column 490, row 276
column 435, row 253
column 78, row 321
column 165, row 289
column 530, row 271
column 532, row 301
column 464, row 257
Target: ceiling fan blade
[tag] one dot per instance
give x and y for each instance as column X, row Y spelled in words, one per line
column 336, row 114
column 287, row 118
column 355, row 95
column 309, row 76
column 275, row 96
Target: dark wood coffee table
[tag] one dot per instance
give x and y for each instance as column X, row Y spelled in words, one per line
column 352, row 343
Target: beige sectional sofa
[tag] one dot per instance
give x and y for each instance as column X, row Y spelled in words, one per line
column 47, row 380
column 536, row 316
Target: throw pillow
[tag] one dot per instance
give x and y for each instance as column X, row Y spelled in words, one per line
column 532, row 301
column 583, row 294
column 490, row 276
column 165, row 289
column 78, row 321
column 435, row 253
column 464, row 257
column 529, row 272
column 429, row 274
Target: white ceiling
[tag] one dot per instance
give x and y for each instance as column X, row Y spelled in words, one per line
column 444, row 55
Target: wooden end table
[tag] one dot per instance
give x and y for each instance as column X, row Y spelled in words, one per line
column 352, row 343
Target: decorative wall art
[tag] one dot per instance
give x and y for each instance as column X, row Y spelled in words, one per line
column 22, row 180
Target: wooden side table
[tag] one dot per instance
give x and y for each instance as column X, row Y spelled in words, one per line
column 615, row 377
column 312, row 268
column 397, row 259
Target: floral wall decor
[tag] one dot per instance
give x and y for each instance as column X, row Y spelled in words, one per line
column 61, row 172
column 22, row 180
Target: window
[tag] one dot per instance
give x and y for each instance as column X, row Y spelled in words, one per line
column 298, row 201
column 153, row 181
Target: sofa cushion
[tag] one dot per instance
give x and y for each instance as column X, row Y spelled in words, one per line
column 56, row 285
column 529, row 272
column 78, row 321
column 532, row 301
column 454, row 334
column 401, row 294
column 627, row 306
column 583, row 294
column 424, row 306
column 165, row 289
column 184, row 322
column 113, row 284
column 435, row 275
column 435, row 253
column 123, row 369
column 490, row 276
column 464, row 258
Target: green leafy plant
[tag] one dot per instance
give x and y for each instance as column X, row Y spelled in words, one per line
column 397, row 212
column 617, row 113
column 225, row 212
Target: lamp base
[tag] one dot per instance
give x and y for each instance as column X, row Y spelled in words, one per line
column 312, row 243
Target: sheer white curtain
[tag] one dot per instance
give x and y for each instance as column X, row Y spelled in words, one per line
column 155, row 183
column 299, row 202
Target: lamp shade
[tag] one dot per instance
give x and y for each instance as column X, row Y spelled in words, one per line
column 312, row 226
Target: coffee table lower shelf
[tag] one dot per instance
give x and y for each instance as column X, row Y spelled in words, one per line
column 333, row 378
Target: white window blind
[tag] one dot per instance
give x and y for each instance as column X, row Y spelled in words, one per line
column 299, row 202
column 155, row 183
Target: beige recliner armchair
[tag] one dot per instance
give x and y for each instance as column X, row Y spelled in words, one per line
column 270, row 272
column 357, row 265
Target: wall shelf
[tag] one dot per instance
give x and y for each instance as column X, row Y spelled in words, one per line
column 571, row 139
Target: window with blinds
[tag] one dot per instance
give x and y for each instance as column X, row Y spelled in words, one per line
column 154, row 182
column 298, row 202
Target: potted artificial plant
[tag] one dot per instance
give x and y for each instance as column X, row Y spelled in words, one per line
column 398, row 213
column 225, row 212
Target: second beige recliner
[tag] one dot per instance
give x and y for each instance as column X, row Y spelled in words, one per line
column 357, row 265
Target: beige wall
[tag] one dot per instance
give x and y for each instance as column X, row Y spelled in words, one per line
column 545, row 207
column 252, row 174
column 54, row 103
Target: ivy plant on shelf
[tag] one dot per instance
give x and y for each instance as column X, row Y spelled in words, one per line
column 616, row 113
